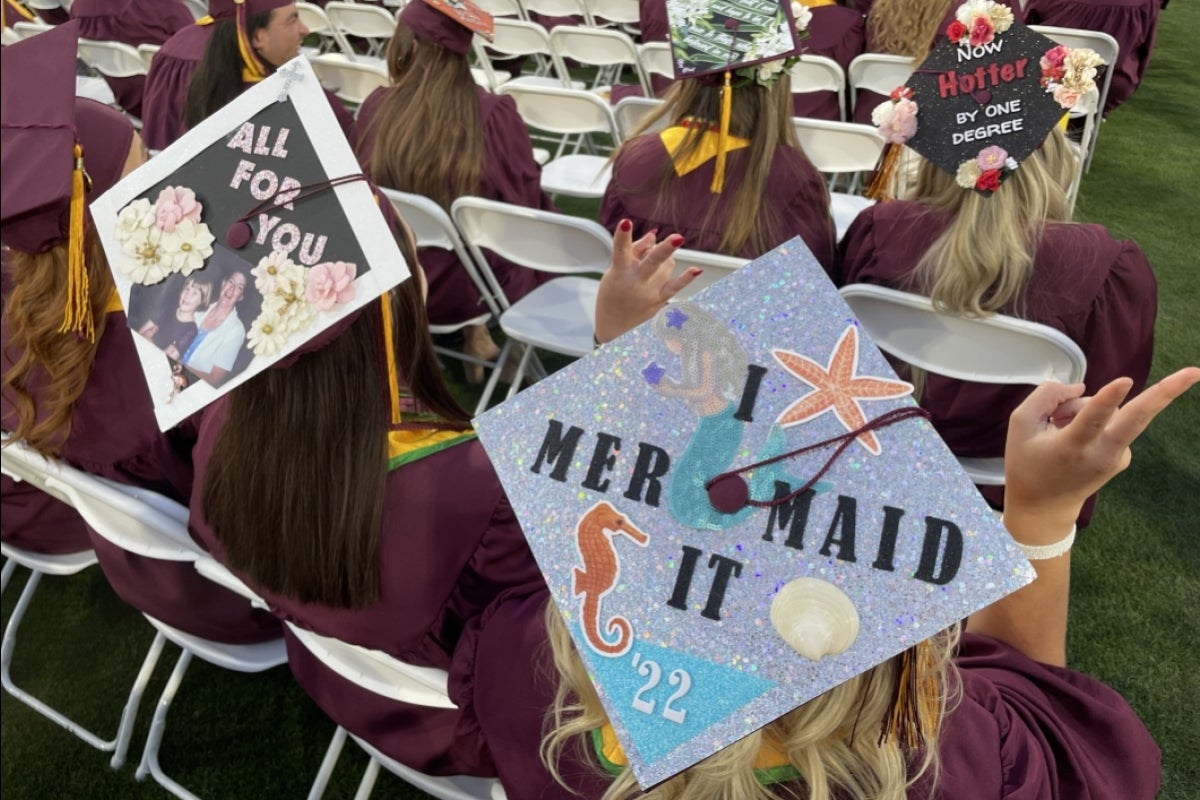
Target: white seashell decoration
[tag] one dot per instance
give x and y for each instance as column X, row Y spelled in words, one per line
column 814, row 617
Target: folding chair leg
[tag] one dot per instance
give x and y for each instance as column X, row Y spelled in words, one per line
column 370, row 774
column 327, row 764
column 494, row 378
column 129, row 715
column 521, row 367
column 149, row 762
column 6, row 655
column 10, row 567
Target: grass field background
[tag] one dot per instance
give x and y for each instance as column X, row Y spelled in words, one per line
column 1135, row 614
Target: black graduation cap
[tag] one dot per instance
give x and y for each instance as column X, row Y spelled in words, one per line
column 712, row 37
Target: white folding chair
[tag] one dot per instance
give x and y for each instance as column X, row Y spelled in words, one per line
column 432, row 227
column 841, row 149
column 631, row 111
column 318, row 24
column 503, row 8
column 623, row 14
column 364, row 21
column 559, row 315
column 22, row 463
column 199, row 8
column 514, row 38
column 715, row 266
column 569, row 114
column 114, row 59
column 27, row 28
column 877, row 72
column 152, row 526
column 656, row 59
column 146, row 52
column 992, row 349
column 1091, row 106
column 606, row 49
column 820, row 74
column 351, row 81
column 559, row 8
column 9, row 36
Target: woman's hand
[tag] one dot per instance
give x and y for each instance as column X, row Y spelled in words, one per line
column 638, row 283
column 1062, row 446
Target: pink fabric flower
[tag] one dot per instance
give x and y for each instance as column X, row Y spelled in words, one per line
column 982, row 31
column 902, row 124
column 175, row 204
column 1054, row 58
column 991, row 158
column 1065, row 97
column 330, row 284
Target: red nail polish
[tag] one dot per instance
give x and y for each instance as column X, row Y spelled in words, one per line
column 626, row 225
column 697, row 272
column 676, row 240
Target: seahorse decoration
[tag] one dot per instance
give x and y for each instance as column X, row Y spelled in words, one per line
column 599, row 574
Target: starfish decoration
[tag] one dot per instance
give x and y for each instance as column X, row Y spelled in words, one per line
column 653, row 373
column 676, row 318
column 837, row 388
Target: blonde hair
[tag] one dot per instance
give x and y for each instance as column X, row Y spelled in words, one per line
column 905, row 27
column 761, row 114
column 39, row 352
column 832, row 740
column 204, row 287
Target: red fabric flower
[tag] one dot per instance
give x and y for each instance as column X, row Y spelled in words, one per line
column 955, row 31
column 901, row 93
column 982, row 31
column 989, row 181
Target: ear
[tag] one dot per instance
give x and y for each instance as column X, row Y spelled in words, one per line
column 259, row 39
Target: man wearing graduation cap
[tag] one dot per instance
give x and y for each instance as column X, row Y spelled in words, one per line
column 73, row 385
column 987, row 228
column 206, row 65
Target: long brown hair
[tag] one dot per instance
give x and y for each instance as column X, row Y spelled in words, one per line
column 761, row 114
column 428, row 131
column 218, row 78
column 905, row 27
column 59, row 363
column 302, row 517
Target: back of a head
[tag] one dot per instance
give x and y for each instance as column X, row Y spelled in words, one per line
column 905, row 27
column 218, row 77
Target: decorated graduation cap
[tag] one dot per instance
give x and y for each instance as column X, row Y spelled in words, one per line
column 449, row 23
column 987, row 95
column 754, row 40
column 266, row 205
column 58, row 151
column 738, row 506
column 253, row 69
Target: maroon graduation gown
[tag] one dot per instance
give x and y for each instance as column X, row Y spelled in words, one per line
column 454, row 568
column 795, row 195
column 509, row 174
column 835, row 32
column 114, row 435
column 1097, row 290
column 131, row 22
column 1133, row 23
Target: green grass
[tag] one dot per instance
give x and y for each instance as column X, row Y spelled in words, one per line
column 1135, row 616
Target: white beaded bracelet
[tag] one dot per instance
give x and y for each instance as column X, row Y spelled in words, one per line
column 1041, row 552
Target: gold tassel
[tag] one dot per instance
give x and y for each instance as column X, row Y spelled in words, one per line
column 913, row 721
column 883, row 185
column 252, row 69
column 21, row 10
column 718, row 181
column 77, row 310
column 389, row 350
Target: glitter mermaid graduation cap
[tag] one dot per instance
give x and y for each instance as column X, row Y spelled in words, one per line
column 984, row 99
column 738, row 506
column 249, row 236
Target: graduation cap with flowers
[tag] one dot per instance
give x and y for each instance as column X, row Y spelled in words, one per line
column 738, row 506
column 249, row 236
column 984, row 99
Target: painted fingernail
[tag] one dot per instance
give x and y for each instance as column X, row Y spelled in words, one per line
column 676, row 240
column 626, row 225
column 654, row 231
column 696, row 272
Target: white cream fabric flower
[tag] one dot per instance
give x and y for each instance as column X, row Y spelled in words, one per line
column 802, row 15
column 144, row 259
column 133, row 218
column 188, row 245
column 267, row 335
column 968, row 174
column 769, row 69
column 277, row 272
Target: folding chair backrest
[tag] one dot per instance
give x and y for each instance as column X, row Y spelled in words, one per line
column 358, row 19
column 147, row 52
column 992, row 349
column 432, row 227
column 25, row 29
column 614, row 12
column 114, row 59
column 715, row 267
column 630, row 111
column 879, row 73
column 351, row 81
column 502, row 8
column 838, row 147
column 519, row 37
column 199, row 8
column 541, row 240
column 9, row 36
column 558, row 8
column 21, row 462
column 563, row 111
column 314, row 18
column 599, row 47
column 656, row 59
column 820, row 74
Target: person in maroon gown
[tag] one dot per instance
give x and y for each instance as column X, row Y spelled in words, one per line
column 1017, row 722
column 1133, row 23
column 167, row 82
column 771, row 191
column 130, row 22
column 435, row 132
column 73, row 386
